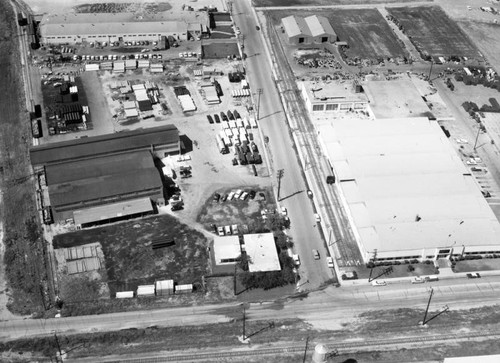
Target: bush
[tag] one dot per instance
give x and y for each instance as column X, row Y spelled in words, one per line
column 411, row 268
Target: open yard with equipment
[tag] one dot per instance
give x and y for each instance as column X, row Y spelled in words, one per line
column 433, row 32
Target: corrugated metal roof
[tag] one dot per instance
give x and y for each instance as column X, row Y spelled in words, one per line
column 114, row 210
column 295, row 26
column 99, row 189
column 319, row 25
column 97, row 167
column 167, row 135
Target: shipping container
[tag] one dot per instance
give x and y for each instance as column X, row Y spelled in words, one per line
column 124, row 294
column 184, row 289
column 145, row 290
column 164, row 287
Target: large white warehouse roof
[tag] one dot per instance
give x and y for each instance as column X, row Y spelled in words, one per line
column 406, row 188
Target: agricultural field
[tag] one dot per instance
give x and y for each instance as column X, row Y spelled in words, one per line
column 434, row 33
column 130, row 260
column 366, row 32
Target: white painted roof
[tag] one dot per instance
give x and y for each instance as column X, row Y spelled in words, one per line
column 262, row 253
column 396, row 169
column 226, row 248
column 295, row 26
column 319, row 25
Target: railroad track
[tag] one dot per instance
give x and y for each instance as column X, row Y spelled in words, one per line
column 298, row 119
column 340, row 348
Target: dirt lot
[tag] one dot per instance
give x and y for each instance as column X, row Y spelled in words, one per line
column 130, row 260
column 433, row 32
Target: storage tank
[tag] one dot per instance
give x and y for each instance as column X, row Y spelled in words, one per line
column 320, row 353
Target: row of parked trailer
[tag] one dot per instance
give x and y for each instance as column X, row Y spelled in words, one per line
column 159, row 288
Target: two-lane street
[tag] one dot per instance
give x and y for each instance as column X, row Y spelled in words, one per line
column 293, row 196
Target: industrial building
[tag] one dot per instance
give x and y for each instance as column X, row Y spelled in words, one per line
column 310, row 30
column 329, row 97
column 161, row 140
column 261, row 251
column 105, row 178
column 409, row 195
column 75, row 28
column 227, row 250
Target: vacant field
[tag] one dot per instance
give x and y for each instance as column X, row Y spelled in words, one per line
column 214, row 49
column 130, row 260
column 262, row 3
column 365, row 31
column 433, row 32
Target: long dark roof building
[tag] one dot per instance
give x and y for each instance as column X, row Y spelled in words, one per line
column 162, row 139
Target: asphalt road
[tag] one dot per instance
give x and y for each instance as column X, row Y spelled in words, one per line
column 293, row 196
column 325, row 309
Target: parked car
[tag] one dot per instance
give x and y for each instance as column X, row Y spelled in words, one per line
column 230, row 115
column 316, row 254
column 379, row 283
column 214, row 227
column 216, row 197
column 431, row 278
column 417, row 280
column 223, row 116
column 351, row 275
column 230, row 196
column 220, row 229
column 236, row 114
column 224, row 198
column 227, row 229
column 210, row 119
column 310, row 194
column 296, row 260
column 284, row 211
column 473, row 275
column 329, row 262
column 252, row 194
column 244, row 196
column 217, row 118
column 234, row 227
column 317, row 218
column 237, row 194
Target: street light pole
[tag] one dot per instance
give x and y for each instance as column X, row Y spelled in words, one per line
column 259, row 92
column 279, row 176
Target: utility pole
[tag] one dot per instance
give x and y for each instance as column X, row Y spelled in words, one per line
column 279, row 175
column 305, row 351
column 430, row 71
column 425, row 321
column 386, row 271
column 244, row 318
column 259, row 92
column 58, row 348
column 477, row 135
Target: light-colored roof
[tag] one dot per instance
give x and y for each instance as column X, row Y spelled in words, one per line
column 395, row 98
column 120, row 23
column 494, row 358
column 295, row 26
column 391, row 170
column 319, row 25
column 211, row 94
column 114, row 210
column 226, row 248
column 262, row 253
column 332, row 92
